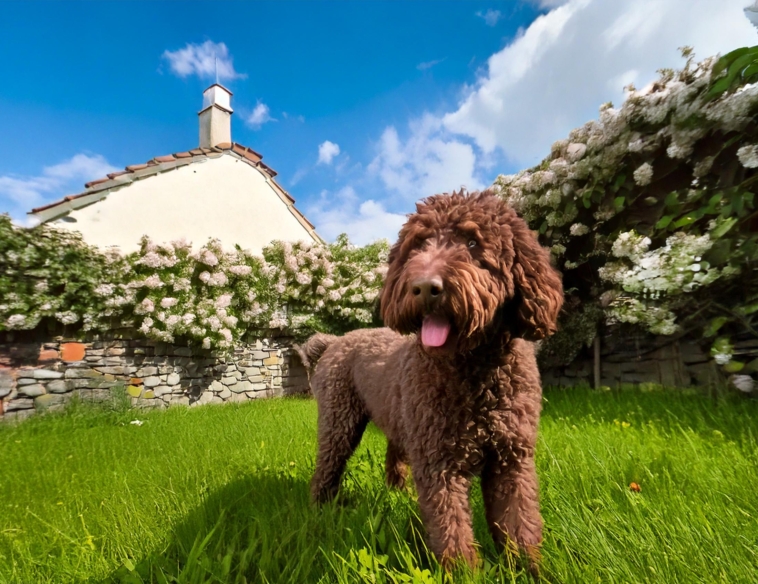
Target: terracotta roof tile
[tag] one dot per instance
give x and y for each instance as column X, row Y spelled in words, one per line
column 224, row 146
column 268, row 169
column 92, row 183
column 182, row 155
column 119, row 173
column 239, row 149
column 196, row 152
column 133, row 167
column 167, row 158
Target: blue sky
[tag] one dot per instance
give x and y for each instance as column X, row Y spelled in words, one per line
column 362, row 107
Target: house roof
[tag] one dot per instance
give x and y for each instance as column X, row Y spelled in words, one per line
column 161, row 164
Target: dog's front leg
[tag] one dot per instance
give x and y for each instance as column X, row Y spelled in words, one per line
column 444, row 501
column 511, row 503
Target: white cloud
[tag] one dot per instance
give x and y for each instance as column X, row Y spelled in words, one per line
column 364, row 222
column 490, row 17
column 202, row 60
column 428, row 64
column 21, row 194
column 553, row 76
column 426, row 163
column 261, row 114
column 327, row 151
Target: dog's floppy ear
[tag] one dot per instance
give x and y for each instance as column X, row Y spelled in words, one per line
column 537, row 283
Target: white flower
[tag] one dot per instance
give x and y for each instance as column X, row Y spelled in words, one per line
column 15, row 321
column 223, row 301
column 208, row 258
column 206, row 343
column 145, row 306
column 168, row 302
column 575, row 151
column 67, row 317
column 218, row 279
column 744, row 383
column 104, row 290
column 183, row 284
column 578, row 229
column 151, row 259
column 748, row 156
column 630, row 244
column 303, row 278
column 205, row 277
column 722, row 358
column 153, row 281
column 643, row 175
column 241, row 270
column 188, row 319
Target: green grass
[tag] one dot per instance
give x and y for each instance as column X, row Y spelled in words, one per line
column 220, row 494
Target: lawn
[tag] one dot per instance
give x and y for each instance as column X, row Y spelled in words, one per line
column 220, row 494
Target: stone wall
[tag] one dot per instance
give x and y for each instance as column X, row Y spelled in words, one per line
column 629, row 359
column 37, row 376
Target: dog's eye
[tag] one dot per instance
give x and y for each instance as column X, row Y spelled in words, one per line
column 472, row 243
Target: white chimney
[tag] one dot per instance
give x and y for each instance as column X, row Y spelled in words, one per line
column 216, row 116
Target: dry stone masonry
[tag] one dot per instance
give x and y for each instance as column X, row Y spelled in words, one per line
column 44, row 376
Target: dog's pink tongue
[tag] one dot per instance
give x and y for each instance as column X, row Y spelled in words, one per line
column 434, row 330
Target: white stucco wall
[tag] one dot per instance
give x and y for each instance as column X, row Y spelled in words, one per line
column 223, row 198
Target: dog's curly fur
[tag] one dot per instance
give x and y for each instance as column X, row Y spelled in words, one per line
column 470, row 407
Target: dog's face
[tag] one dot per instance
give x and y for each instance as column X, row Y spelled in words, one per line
column 464, row 268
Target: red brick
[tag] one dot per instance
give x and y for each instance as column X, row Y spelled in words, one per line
column 72, row 352
column 48, row 355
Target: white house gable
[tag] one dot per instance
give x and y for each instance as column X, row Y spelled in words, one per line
column 220, row 197
column 221, row 190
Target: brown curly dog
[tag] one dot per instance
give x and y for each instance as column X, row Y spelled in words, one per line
column 453, row 381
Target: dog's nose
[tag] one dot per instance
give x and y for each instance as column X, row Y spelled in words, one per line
column 427, row 290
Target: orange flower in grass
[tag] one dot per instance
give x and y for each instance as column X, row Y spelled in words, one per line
column 635, row 487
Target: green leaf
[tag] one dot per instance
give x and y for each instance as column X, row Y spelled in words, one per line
column 686, row 220
column 750, row 73
column 620, row 180
column 713, row 327
column 543, row 227
column 749, row 309
column 672, row 199
column 664, row 221
column 723, row 228
column 737, row 203
column 733, row 366
column 618, row 202
column 723, row 63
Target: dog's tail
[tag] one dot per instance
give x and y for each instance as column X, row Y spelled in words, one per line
column 312, row 349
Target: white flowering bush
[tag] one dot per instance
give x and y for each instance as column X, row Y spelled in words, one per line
column 210, row 297
column 650, row 210
column 50, row 275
